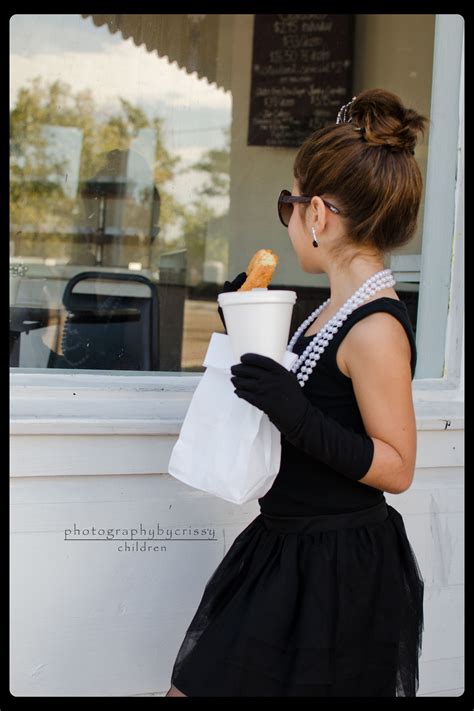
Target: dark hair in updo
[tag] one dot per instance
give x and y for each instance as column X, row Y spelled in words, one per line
column 368, row 167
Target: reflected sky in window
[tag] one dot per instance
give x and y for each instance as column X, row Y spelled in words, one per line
column 72, row 49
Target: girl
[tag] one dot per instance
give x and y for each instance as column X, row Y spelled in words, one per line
column 321, row 594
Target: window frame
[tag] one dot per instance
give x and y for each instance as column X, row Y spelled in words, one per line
column 443, row 214
column 145, row 404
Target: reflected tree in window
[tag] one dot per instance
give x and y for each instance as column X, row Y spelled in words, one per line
column 49, row 122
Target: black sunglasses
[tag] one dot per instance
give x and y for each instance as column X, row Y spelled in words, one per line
column 286, row 201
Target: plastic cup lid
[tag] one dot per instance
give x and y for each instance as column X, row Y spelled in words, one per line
column 257, row 296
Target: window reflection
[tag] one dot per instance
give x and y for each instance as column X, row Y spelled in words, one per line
column 113, row 180
column 129, row 156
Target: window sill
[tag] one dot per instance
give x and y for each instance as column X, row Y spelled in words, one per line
column 102, row 425
column 91, row 404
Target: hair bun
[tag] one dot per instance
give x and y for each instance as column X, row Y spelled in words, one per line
column 384, row 120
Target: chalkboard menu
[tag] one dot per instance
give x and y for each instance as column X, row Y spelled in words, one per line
column 301, row 75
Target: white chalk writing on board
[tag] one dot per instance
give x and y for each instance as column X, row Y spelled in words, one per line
column 301, row 75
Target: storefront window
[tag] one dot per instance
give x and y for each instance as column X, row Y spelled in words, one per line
column 119, row 192
column 136, row 188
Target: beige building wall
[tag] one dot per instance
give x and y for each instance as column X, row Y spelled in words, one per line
column 391, row 51
column 395, row 52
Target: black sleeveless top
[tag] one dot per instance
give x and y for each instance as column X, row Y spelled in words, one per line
column 304, row 486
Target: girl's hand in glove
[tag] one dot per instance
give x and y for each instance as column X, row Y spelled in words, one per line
column 231, row 286
column 272, row 388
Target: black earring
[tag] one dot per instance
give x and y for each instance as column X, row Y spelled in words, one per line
column 315, row 241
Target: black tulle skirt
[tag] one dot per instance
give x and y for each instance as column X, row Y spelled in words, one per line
column 326, row 605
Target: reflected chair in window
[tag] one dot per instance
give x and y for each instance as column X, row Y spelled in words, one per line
column 109, row 331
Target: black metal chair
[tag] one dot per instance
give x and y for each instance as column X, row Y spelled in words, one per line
column 109, row 332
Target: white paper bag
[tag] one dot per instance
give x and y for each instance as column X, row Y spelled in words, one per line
column 226, row 447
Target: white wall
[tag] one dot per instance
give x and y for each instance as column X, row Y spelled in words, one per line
column 433, row 511
column 87, row 619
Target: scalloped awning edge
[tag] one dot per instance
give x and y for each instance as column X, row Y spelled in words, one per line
column 202, row 56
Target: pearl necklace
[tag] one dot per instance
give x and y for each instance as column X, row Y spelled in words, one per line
column 313, row 352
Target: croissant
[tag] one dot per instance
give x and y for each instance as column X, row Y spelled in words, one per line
column 260, row 270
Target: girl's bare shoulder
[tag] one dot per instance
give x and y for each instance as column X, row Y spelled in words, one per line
column 374, row 338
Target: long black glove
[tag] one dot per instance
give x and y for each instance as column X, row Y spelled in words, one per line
column 231, row 286
column 266, row 384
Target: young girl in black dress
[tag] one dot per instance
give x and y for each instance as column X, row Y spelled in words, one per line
column 321, row 594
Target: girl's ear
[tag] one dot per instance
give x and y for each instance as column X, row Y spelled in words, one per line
column 317, row 213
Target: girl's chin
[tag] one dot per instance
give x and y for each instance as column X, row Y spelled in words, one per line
column 310, row 268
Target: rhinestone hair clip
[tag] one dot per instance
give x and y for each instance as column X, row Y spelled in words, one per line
column 342, row 116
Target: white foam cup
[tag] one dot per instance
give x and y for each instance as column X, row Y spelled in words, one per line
column 258, row 321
